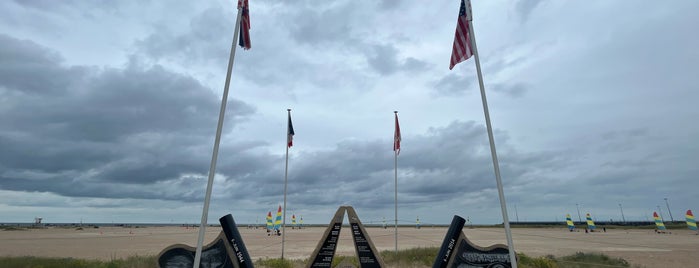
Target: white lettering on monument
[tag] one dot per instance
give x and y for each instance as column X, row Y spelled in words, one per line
column 449, row 249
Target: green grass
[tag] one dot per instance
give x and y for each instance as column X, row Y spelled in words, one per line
column 591, row 260
column 278, row 263
column 410, row 258
column 414, row 257
column 41, row 262
column 12, row 228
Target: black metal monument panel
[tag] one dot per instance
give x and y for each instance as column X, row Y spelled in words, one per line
column 213, row 255
column 458, row 251
column 325, row 251
column 365, row 249
column 226, row 251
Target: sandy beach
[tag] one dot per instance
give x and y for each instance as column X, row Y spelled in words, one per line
column 643, row 247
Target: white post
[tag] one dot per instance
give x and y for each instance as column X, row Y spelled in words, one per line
column 395, row 160
column 395, row 164
column 496, row 166
column 214, row 157
column 286, row 172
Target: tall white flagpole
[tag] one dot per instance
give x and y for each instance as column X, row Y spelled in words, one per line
column 496, row 166
column 396, row 139
column 286, row 172
column 396, row 201
column 214, row 157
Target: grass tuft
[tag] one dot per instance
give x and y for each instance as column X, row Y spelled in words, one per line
column 278, row 263
column 414, row 257
column 41, row 262
column 581, row 259
column 525, row 261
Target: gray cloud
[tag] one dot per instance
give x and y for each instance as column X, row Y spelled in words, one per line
column 324, row 25
column 101, row 126
column 29, row 68
column 524, row 8
column 453, row 85
column 207, row 39
column 513, row 90
column 384, row 60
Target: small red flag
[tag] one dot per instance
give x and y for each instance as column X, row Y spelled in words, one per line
column 396, row 137
column 462, row 39
column 290, row 133
column 244, row 39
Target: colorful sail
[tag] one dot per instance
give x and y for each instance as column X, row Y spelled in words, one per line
column 658, row 221
column 590, row 223
column 278, row 220
column 293, row 220
column 691, row 222
column 269, row 221
column 569, row 222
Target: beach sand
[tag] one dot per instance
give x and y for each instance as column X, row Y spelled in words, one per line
column 643, row 247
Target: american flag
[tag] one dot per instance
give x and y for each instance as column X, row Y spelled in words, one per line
column 244, row 40
column 396, row 137
column 290, row 133
column 462, row 40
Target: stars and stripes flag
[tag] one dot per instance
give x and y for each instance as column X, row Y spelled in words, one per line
column 290, row 133
column 244, row 40
column 396, row 137
column 462, row 39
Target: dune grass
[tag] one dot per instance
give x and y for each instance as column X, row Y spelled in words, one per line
column 409, row 258
column 42, row 262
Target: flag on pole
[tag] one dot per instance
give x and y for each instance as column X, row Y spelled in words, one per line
column 396, row 137
column 244, row 40
column 290, row 134
column 462, row 40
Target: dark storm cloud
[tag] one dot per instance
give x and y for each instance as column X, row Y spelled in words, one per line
column 91, row 128
column 32, row 69
column 444, row 164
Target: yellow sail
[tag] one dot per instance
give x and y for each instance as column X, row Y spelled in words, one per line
column 569, row 222
column 590, row 222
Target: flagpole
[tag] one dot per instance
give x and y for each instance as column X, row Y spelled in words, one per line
column 496, row 166
column 395, row 171
column 286, row 172
column 214, row 157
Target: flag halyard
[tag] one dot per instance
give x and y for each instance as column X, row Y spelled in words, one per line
column 462, row 39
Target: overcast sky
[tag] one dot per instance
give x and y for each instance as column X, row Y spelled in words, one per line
column 108, row 110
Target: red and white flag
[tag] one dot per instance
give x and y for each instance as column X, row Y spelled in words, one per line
column 396, row 137
column 244, row 39
column 290, row 133
column 462, row 39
